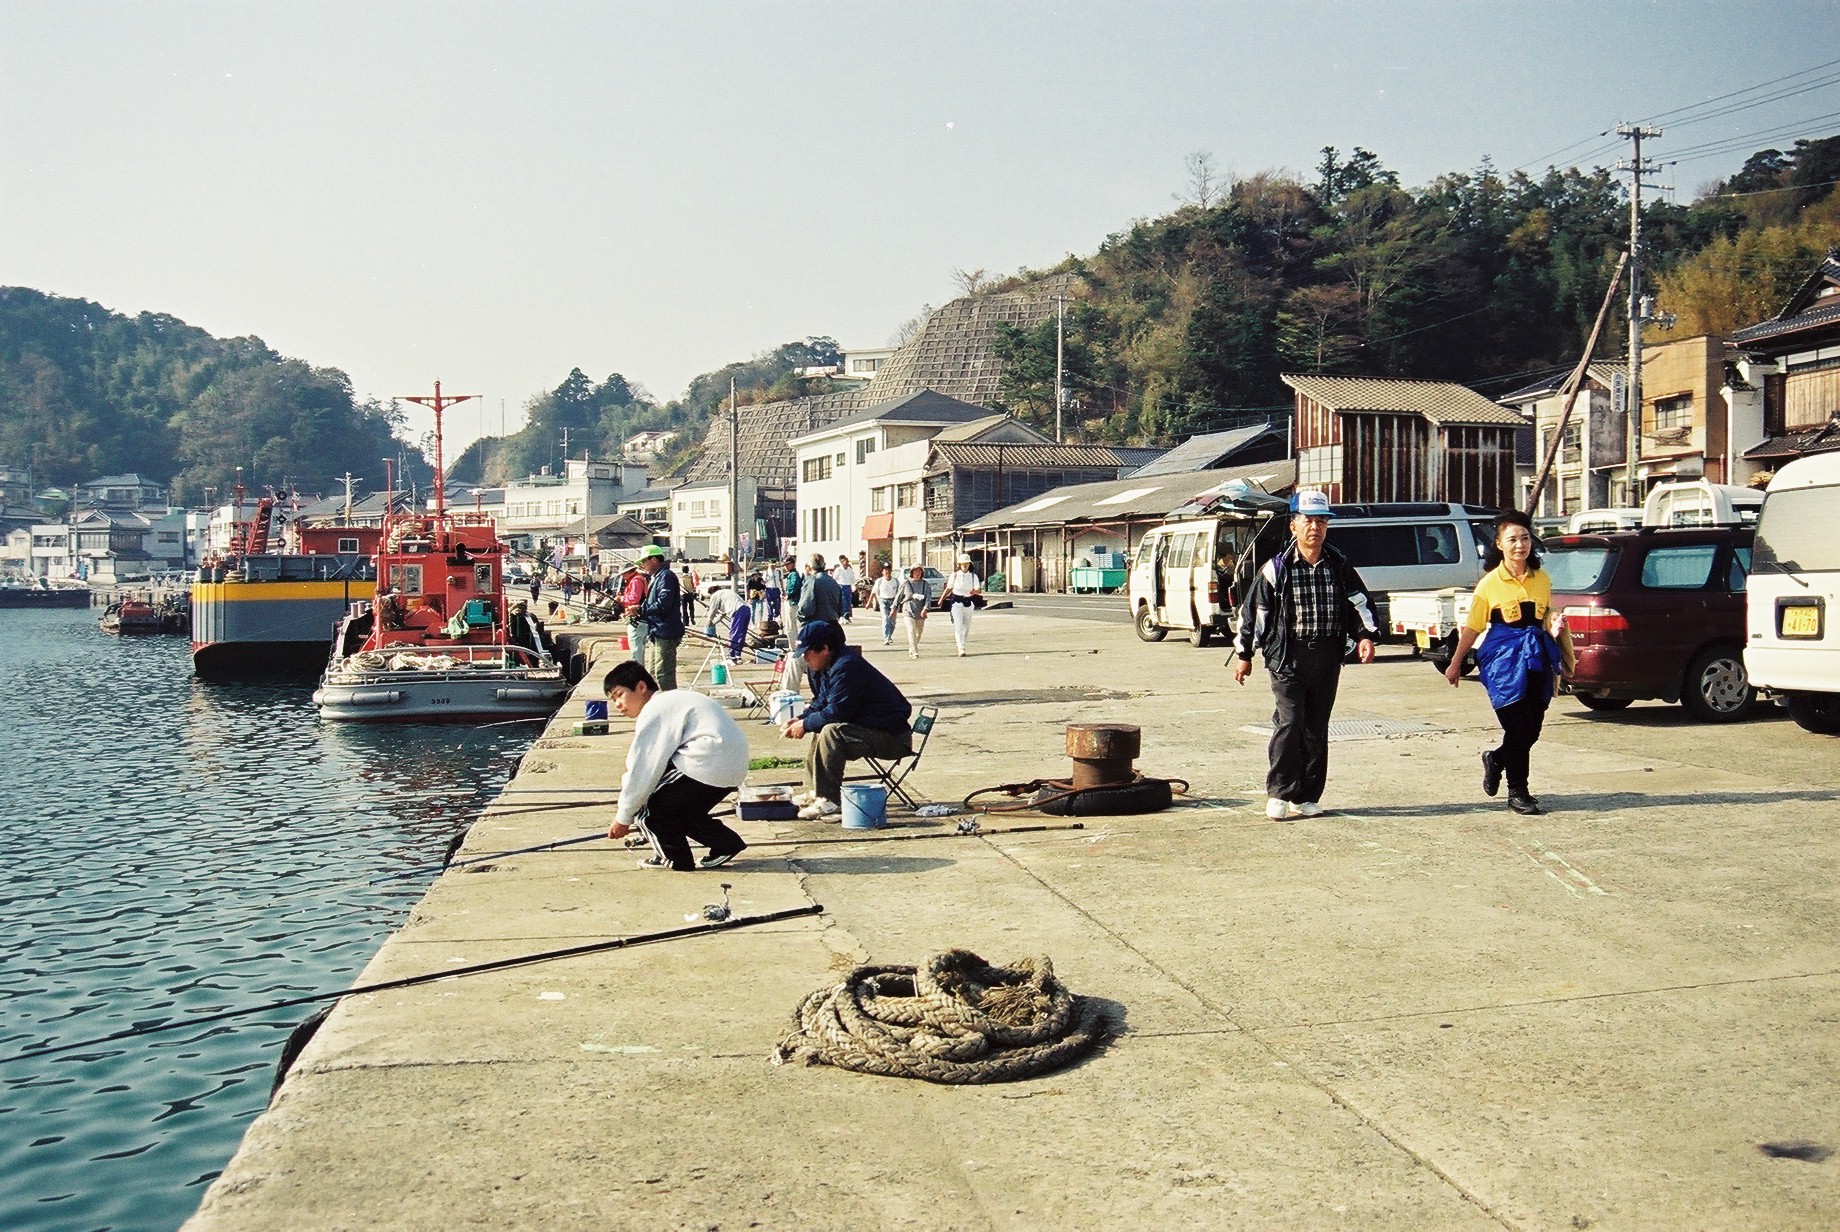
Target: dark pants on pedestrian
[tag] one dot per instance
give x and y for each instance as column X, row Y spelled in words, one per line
column 678, row 810
column 1304, row 690
column 1520, row 729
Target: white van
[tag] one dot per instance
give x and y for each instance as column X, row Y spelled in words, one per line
column 1792, row 647
column 1699, row 502
column 1182, row 572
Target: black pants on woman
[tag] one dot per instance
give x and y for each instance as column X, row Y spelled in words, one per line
column 678, row 810
column 1520, row 730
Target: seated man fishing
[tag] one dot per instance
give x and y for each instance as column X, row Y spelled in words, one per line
column 855, row 712
column 686, row 755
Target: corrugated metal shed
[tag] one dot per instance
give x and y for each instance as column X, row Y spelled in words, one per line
column 1132, row 498
column 1210, row 450
column 1441, row 402
column 1044, row 456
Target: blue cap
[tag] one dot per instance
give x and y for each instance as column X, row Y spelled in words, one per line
column 816, row 633
column 1311, row 503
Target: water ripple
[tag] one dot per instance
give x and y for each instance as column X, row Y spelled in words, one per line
column 183, row 847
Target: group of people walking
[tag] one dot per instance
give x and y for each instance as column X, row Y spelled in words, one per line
column 1307, row 604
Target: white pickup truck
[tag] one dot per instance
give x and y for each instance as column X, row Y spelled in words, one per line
column 1432, row 620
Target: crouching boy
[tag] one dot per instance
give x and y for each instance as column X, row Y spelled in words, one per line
column 686, row 755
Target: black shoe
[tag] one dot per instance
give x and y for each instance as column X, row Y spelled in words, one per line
column 661, row 862
column 1523, row 804
column 1491, row 775
column 717, row 859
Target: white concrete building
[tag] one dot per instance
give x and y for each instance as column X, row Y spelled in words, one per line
column 549, row 513
column 859, row 478
column 702, row 523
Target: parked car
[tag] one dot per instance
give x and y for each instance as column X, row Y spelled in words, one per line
column 1657, row 613
column 1794, row 649
column 1182, row 571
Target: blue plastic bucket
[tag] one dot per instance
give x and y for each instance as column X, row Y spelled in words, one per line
column 720, row 673
column 865, row 806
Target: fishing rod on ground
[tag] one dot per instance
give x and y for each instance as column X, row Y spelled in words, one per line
column 966, row 828
column 711, row 925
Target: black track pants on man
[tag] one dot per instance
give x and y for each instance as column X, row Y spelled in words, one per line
column 1304, row 690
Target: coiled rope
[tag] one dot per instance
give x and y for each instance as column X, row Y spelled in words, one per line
column 954, row 1018
column 1060, row 798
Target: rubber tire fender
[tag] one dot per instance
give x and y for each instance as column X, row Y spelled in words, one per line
column 1143, row 796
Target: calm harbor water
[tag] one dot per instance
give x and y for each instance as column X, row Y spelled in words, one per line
column 173, row 847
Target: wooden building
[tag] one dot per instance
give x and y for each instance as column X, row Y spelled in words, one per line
column 1366, row 439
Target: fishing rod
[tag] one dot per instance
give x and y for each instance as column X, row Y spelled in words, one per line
column 411, row 981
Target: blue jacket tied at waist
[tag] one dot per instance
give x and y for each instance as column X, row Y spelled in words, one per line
column 1511, row 655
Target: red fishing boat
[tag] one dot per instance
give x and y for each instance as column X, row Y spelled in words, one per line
column 440, row 641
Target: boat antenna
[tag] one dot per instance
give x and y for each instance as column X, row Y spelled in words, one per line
column 439, row 403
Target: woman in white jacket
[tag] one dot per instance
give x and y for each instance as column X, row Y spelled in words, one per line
column 962, row 591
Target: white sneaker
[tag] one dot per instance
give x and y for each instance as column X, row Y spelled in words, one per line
column 961, row 652
column 1309, row 808
column 1277, row 809
column 819, row 810
column 804, row 798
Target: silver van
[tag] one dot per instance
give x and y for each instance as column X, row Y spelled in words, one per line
column 1412, row 545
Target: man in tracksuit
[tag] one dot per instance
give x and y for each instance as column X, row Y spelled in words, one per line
column 1301, row 609
column 855, row 712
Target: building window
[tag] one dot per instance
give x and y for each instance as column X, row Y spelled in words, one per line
column 1319, row 467
column 864, row 448
column 1568, row 496
column 348, row 546
column 1568, row 440
column 1676, row 412
column 841, row 459
column 574, row 509
column 698, row 508
column 815, row 469
column 878, row 500
column 905, row 496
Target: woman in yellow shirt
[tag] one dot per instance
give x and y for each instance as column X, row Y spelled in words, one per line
column 1518, row 658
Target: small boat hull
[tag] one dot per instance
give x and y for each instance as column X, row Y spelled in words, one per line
column 437, row 697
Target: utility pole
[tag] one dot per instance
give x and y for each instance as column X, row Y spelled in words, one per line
column 1632, row 392
column 1060, row 329
column 734, row 482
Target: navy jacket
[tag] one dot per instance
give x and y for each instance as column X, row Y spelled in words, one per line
column 662, row 610
column 851, row 690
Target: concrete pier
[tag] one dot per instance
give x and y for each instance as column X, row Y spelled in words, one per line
column 1415, row 1011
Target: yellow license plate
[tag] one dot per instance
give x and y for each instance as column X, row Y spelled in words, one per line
column 1801, row 622
column 1423, row 638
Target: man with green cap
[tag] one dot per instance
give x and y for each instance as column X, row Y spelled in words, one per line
column 662, row 614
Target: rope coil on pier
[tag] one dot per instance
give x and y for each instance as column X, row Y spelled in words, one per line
column 953, row 1018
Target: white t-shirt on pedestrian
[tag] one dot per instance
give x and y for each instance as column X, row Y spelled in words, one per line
column 685, row 729
column 964, row 582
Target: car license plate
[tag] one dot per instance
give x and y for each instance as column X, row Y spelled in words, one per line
column 1422, row 638
column 1801, row 621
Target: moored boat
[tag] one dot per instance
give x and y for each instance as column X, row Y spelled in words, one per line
column 440, row 641
column 133, row 614
column 257, row 609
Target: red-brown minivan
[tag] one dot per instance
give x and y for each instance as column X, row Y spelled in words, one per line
column 1656, row 613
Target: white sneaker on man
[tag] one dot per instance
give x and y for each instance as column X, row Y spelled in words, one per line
column 819, row 810
column 1279, row 810
column 1309, row 808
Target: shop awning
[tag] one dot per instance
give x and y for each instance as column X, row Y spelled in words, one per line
column 878, row 526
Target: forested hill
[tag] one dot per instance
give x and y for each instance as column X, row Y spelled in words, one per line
column 1187, row 320
column 1182, row 324
column 86, row 392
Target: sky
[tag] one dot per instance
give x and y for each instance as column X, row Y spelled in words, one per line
column 491, row 194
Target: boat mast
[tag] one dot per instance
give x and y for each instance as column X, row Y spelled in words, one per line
column 439, row 403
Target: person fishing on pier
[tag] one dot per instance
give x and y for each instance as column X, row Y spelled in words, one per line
column 687, row 754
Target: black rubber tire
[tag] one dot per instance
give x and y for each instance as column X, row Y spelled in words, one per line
column 1602, row 703
column 1716, row 688
column 1144, row 796
column 1815, row 712
column 1147, row 629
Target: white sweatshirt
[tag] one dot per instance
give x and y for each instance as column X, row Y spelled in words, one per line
column 682, row 728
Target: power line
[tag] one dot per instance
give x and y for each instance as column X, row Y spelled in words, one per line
column 1668, row 115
